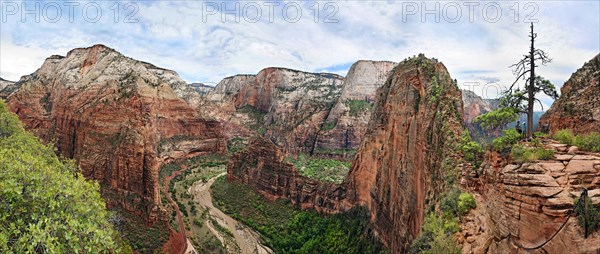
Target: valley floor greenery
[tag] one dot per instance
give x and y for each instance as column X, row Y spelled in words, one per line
column 287, row 229
column 46, row 205
column 325, row 170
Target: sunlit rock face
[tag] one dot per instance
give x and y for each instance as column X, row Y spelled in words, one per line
column 118, row 118
column 578, row 107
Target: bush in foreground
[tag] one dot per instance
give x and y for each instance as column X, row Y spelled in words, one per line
column 46, row 205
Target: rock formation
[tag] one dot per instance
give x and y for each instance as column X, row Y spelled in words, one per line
column 530, row 201
column 578, row 107
column 201, row 89
column 347, row 122
column 118, row 118
column 7, row 88
column 402, row 160
column 400, row 164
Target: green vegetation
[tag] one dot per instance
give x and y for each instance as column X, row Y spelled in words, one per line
column 592, row 218
column 522, row 153
column 510, row 138
column 357, row 107
column 287, row 229
column 585, row 142
column 141, row 237
column 348, row 152
column 254, row 114
column 327, row 126
column 47, row 205
column 439, row 226
column 564, row 136
column 236, row 144
column 472, row 152
column 325, row 170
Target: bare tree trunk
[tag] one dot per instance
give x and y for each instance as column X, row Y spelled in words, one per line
column 531, row 86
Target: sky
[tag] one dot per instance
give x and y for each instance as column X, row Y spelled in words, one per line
column 205, row 41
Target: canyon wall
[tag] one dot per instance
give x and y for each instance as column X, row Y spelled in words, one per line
column 7, row 88
column 347, row 121
column 578, row 107
column 526, row 203
column 400, row 164
column 407, row 149
column 118, row 118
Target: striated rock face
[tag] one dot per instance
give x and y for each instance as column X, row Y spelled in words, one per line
column 417, row 114
column 118, row 118
column 347, row 122
column 531, row 201
column 290, row 105
column 262, row 166
column 201, row 89
column 400, row 163
column 474, row 106
column 7, row 88
column 578, row 107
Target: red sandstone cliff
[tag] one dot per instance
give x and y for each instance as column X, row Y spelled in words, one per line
column 417, row 114
column 578, row 107
column 117, row 117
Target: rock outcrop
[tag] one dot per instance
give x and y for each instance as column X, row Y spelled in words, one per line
column 530, row 202
column 201, row 88
column 400, row 164
column 347, row 122
column 474, row 106
column 578, row 107
column 118, row 118
column 262, row 167
column 402, row 160
column 7, row 88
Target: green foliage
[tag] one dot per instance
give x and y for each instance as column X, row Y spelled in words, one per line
column 564, row 136
column 290, row 230
column 48, row 206
column 521, row 153
column 471, row 151
column 588, row 142
column 326, row 170
column 585, row 142
column 236, row 144
column 358, row 106
column 541, row 135
column 436, row 236
column 497, row 119
column 466, row 202
column 510, row 138
column 327, row 126
column 593, row 215
column 135, row 231
column 254, row 113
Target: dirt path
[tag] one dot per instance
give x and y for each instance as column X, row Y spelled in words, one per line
column 187, row 247
column 247, row 240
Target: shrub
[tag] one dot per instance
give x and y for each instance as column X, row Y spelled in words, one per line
column 521, row 153
column 509, row 138
column 327, row 126
column 436, row 236
column 588, row 142
column 564, row 136
column 466, row 202
column 593, row 215
column 358, row 106
column 471, row 151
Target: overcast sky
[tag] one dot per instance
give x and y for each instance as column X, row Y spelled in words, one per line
column 477, row 41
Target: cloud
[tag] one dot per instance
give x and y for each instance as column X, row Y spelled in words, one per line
column 182, row 36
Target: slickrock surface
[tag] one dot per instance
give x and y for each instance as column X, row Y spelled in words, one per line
column 7, row 88
column 118, row 118
column 531, row 201
column 578, row 107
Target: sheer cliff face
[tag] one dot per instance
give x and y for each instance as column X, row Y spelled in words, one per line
column 474, row 106
column 400, row 163
column 117, row 117
column 352, row 111
column 7, row 88
column 578, row 107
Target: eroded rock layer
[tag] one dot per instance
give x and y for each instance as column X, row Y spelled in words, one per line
column 401, row 163
column 525, row 204
column 407, row 148
column 578, row 107
column 118, row 118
